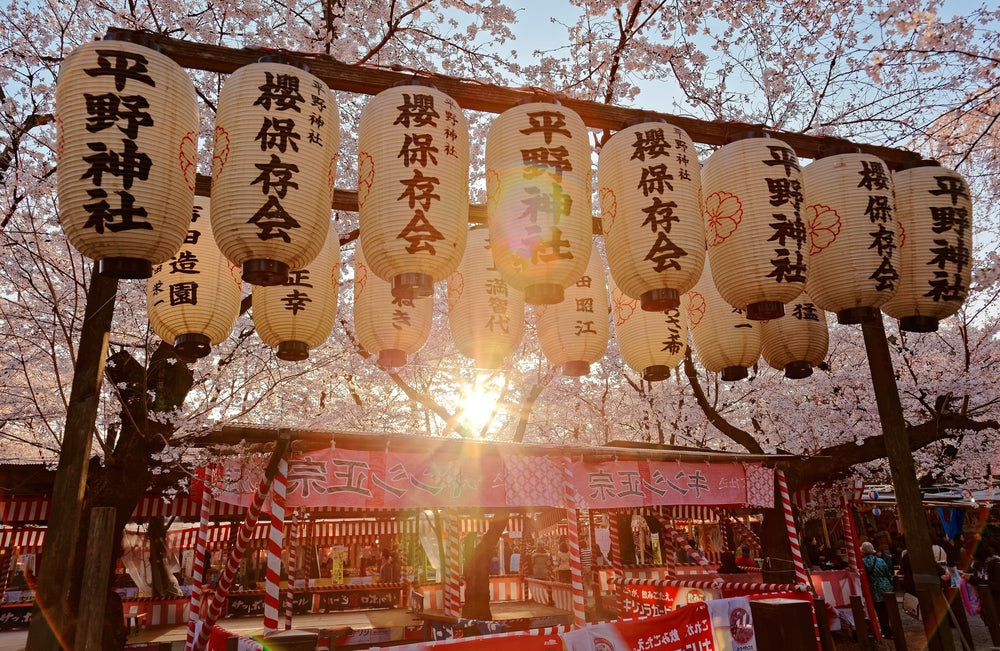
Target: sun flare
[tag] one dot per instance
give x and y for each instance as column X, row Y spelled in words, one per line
column 477, row 407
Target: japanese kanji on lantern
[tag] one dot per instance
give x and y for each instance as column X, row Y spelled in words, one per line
column 413, row 187
column 485, row 314
column 651, row 343
column 388, row 326
column 127, row 122
column 193, row 299
column 276, row 137
column 650, row 185
column 754, row 225
column 853, row 243
column 538, row 204
column 934, row 209
column 797, row 342
column 298, row 315
column 574, row 333
column 725, row 340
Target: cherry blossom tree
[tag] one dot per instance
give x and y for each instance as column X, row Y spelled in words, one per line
column 903, row 74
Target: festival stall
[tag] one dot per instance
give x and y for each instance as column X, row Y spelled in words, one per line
column 366, row 493
column 376, row 473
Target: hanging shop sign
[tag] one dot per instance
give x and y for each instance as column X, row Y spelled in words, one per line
column 367, row 479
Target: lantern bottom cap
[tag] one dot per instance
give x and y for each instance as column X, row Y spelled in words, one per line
column 734, row 373
column 659, row 300
column 292, row 351
column 412, row 285
column 192, row 345
column 918, row 324
column 391, row 358
column 798, row 370
column 124, row 268
column 265, row 272
column 543, row 294
column 576, row 368
column 856, row 315
column 656, row 373
column 765, row 310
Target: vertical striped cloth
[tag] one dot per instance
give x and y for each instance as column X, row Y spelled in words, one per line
column 585, row 559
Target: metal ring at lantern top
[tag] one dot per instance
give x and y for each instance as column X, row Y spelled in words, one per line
column 745, row 132
column 923, row 162
column 834, row 146
column 644, row 119
column 284, row 59
column 415, row 81
column 145, row 39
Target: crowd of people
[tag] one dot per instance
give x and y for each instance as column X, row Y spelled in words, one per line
column 964, row 563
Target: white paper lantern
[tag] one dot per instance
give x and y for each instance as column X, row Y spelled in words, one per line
column 754, row 225
column 276, row 137
column 538, row 203
column 388, row 326
column 574, row 334
column 485, row 314
column 651, row 343
column 127, row 121
column 650, row 186
column 725, row 340
column 934, row 209
column 413, row 187
column 853, row 239
column 193, row 299
column 298, row 315
column 798, row 341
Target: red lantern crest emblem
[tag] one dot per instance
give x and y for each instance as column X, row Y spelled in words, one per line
column 824, row 227
column 724, row 212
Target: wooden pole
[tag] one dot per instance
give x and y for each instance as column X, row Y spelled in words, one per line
column 96, row 569
column 909, row 500
column 477, row 96
column 50, row 620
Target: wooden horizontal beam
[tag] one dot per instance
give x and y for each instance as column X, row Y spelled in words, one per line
column 305, row 439
column 476, row 96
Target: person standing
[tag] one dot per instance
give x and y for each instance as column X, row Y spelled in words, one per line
column 541, row 562
column 879, row 576
column 744, row 559
column 388, row 571
column 563, row 573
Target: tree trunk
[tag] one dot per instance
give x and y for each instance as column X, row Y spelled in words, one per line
column 625, row 540
column 127, row 471
column 477, row 571
column 164, row 584
column 778, row 566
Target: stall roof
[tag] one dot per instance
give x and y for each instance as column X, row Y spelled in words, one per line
column 622, row 450
column 937, row 495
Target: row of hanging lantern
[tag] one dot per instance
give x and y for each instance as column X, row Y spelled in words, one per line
column 843, row 229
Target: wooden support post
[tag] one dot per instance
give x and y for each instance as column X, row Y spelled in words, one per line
column 862, row 625
column 825, row 636
column 990, row 614
column 895, row 621
column 96, row 573
column 958, row 615
column 909, row 501
column 51, row 619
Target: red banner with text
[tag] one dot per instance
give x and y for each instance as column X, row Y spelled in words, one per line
column 373, row 479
